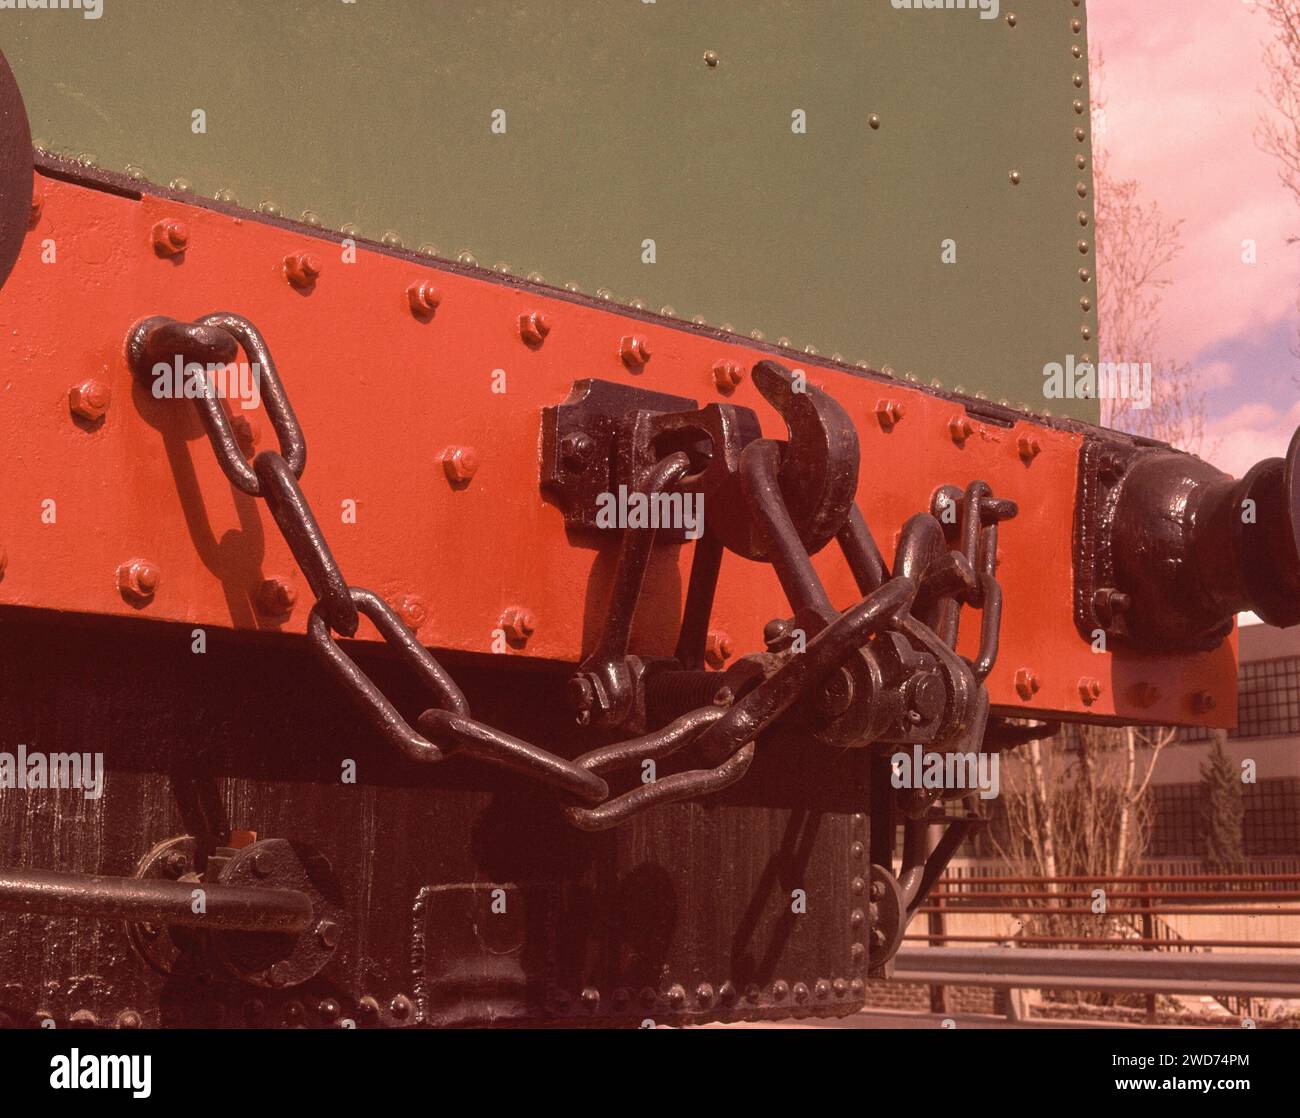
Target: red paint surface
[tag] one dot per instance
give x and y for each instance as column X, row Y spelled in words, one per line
column 381, row 394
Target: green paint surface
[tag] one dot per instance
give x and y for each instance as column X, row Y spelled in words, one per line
column 378, row 114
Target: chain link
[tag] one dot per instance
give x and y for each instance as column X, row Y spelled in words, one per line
column 447, row 727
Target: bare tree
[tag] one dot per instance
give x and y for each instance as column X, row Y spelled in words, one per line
column 1136, row 244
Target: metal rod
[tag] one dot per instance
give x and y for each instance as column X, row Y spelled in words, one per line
column 1182, row 973
column 227, row 908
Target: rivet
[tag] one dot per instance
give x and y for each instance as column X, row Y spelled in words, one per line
column 889, row 413
column 1083, row 247
column 877, row 891
column 704, row 994
column 590, row 997
column 170, row 238
column 780, row 990
column 302, row 269
column 634, row 350
column 857, row 849
column 1080, row 161
column 718, row 648
column 874, row 120
column 1080, row 135
column 857, row 885
column 1011, row 18
column 856, row 952
column 1089, row 689
column 1015, row 178
column 1078, row 106
column 856, row 917
column 856, row 987
column 1027, row 683
column 840, row 987
column 1076, row 25
column 83, row 1019
column 260, row 863
column 711, row 58
column 960, row 428
column 1076, row 50
column 800, row 992
column 1085, row 332
column 1085, row 275
column 128, row 1019
column 677, row 997
column 533, row 327
column 1203, row 702
column 329, row 1010
column 460, row 464
column 226, row 195
column 182, row 184
column 138, row 580
column 518, row 624
column 467, row 258
column 276, row 597
column 1085, row 303
column 411, row 609
column 822, row 989
column 400, row 1007
column 1083, row 217
column 89, row 400
column 270, row 208
column 1029, row 447
column 727, row 375
column 423, row 298
column 1078, row 81
column 391, row 239
column 727, row 993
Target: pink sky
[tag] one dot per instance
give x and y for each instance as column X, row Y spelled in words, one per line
column 1184, row 87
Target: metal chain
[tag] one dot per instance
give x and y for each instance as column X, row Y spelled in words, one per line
column 273, row 476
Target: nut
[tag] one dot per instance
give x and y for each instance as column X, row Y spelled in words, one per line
column 576, row 450
column 89, row 400
column 533, row 327
column 411, row 609
column 727, row 375
column 1203, row 702
column 276, row 597
column 518, row 624
column 1089, row 689
column 423, row 298
column 171, row 238
column 1029, row 447
column 718, row 648
column 461, row 464
column 634, row 350
column 138, row 580
column 960, row 428
column 302, row 269
column 1026, row 683
column 889, row 412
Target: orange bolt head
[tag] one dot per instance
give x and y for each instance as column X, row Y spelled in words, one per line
column 411, row 610
column 171, row 238
column 423, row 298
column 533, row 327
column 138, row 580
column 1089, row 689
column 889, row 412
column 718, row 648
column 960, row 428
column 518, row 624
column 727, row 375
column 1203, row 702
column 276, row 596
column 89, row 400
column 1029, row 447
column 461, row 464
column 634, row 350
column 302, row 269
column 1026, row 683
column 1146, row 694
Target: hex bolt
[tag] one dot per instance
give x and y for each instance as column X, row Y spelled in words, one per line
column 889, row 413
column 634, row 350
column 460, row 463
column 1089, row 689
column 411, row 609
column 1203, row 702
column 260, row 863
column 533, row 327
column 718, row 647
column 1028, row 447
column 89, row 400
column 727, row 375
column 170, row 238
column 960, row 428
column 302, row 269
column 327, row 933
column 777, row 634
column 276, row 596
column 138, row 580
column 877, row 891
column 518, row 623
column 576, row 449
column 1146, row 694
column 175, row 863
column 423, row 298
column 1026, row 683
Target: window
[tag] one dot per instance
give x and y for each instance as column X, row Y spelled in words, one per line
column 1268, row 702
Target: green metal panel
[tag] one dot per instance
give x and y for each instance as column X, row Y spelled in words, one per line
column 618, row 130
